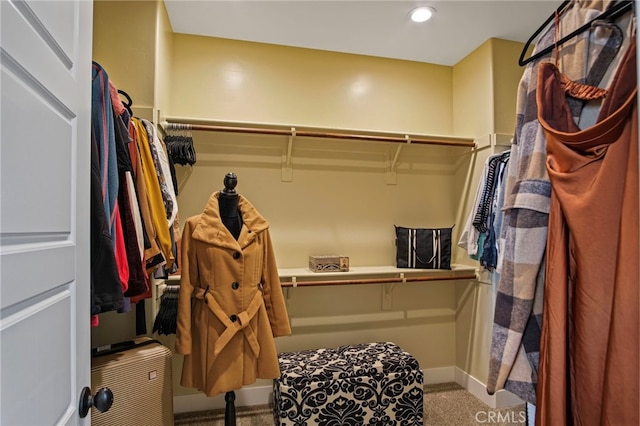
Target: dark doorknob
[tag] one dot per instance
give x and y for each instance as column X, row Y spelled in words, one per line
column 101, row 401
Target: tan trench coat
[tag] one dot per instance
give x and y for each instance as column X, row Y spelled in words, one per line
column 227, row 333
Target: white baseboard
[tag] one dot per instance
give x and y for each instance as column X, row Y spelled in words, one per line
column 245, row 397
column 262, row 395
column 501, row 399
column 439, row 375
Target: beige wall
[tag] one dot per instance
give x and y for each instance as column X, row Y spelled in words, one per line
column 342, row 198
column 473, row 93
column 124, row 44
column 163, row 69
column 485, row 85
column 235, row 80
column 506, row 78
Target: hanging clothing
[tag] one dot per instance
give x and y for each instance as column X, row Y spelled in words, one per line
column 128, row 207
column 479, row 224
column 518, row 308
column 470, row 235
column 227, row 332
column 152, row 254
column 131, row 179
column 106, row 289
column 492, row 169
column 489, row 257
column 499, row 218
column 163, row 171
column 589, row 364
column 156, row 207
column 102, row 123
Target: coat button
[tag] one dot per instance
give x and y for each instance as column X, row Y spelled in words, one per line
column 233, row 318
column 236, row 255
column 235, row 285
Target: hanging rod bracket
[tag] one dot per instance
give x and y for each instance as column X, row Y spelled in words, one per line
column 393, row 165
column 387, row 296
column 287, row 166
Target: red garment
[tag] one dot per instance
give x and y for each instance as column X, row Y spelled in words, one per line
column 120, row 251
column 118, row 106
column 588, row 372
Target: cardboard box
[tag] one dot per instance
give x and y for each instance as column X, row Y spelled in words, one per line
column 329, row 263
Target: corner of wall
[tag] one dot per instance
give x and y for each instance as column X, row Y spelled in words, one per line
column 499, row 400
column 472, row 93
column 163, row 69
column 485, row 85
column 506, row 76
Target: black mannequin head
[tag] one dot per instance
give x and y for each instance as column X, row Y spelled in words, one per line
column 230, row 183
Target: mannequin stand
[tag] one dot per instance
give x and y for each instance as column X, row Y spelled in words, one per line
column 233, row 221
column 230, row 409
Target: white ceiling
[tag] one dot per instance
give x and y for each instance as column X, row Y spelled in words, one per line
column 378, row 28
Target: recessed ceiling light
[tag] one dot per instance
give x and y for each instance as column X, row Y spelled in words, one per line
column 422, row 14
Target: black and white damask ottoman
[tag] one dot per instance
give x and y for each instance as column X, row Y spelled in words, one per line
column 366, row 384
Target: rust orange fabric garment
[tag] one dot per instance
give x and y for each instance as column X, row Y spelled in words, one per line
column 589, row 346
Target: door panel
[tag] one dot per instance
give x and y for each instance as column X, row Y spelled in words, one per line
column 45, row 69
column 45, row 136
column 50, row 316
column 49, row 17
column 41, row 266
column 35, row 150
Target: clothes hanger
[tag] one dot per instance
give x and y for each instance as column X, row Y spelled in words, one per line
column 521, row 60
column 180, row 147
column 129, row 101
column 614, row 11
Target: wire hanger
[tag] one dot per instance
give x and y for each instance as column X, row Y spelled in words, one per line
column 614, row 11
column 521, row 60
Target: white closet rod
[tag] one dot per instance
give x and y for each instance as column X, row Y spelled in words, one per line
column 174, row 123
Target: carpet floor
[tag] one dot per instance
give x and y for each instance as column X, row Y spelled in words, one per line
column 446, row 404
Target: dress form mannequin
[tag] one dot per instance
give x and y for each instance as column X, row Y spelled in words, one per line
column 212, row 313
column 232, row 219
column 228, row 202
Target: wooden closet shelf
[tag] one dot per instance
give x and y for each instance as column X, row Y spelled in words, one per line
column 372, row 275
column 181, row 123
column 302, row 277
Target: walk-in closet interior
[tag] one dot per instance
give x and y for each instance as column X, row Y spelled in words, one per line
column 335, row 150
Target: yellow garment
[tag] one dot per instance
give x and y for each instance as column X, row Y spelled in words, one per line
column 154, row 195
column 141, row 191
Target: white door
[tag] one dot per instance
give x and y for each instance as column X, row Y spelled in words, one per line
column 45, row 113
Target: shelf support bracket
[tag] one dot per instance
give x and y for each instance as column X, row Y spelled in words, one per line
column 387, row 296
column 393, row 166
column 287, row 167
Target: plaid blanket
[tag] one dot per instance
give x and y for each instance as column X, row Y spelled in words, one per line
column 515, row 342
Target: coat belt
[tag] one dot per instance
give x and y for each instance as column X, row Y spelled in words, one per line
column 242, row 322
